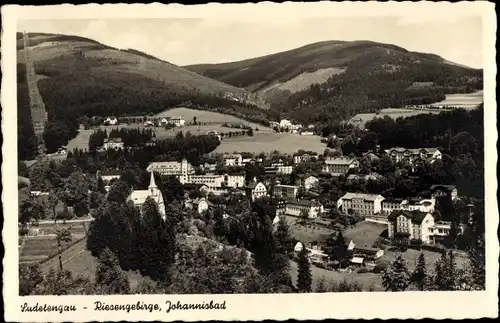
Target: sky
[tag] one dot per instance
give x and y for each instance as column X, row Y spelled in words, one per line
column 214, row 40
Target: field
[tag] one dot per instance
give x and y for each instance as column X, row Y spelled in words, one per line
column 264, row 140
column 466, row 101
column 268, row 142
column 364, row 233
column 307, row 234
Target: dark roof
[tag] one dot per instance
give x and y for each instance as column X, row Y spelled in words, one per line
column 308, row 203
column 116, row 139
column 366, row 249
column 416, row 216
column 442, row 187
column 393, row 200
column 192, row 186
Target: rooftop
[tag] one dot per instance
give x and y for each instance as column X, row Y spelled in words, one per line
column 340, row 161
column 415, row 216
column 366, row 197
column 442, row 187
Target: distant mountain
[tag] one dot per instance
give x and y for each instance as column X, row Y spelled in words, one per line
column 356, row 76
column 80, row 77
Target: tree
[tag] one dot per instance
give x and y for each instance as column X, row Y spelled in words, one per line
column 53, row 201
column 30, row 275
column 62, row 235
column 396, row 278
column 118, row 192
column 194, row 120
column 30, row 210
column 304, row 279
column 63, row 283
column 446, row 274
column 110, row 276
column 419, row 275
column 283, row 238
column 321, row 286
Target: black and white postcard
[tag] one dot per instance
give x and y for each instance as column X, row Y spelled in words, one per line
column 249, row 161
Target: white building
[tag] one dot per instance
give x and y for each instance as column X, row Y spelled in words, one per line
column 200, row 205
column 313, row 209
column 412, row 225
column 306, row 133
column 339, row 165
column 233, row 160
column 417, row 155
column 213, row 181
column 256, row 190
column 172, row 168
column 138, row 197
column 110, row 121
column 285, row 123
column 411, row 204
column 441, row 230
column 113, row 143
column 177, row 121
column 360, row 203
column 285, row 191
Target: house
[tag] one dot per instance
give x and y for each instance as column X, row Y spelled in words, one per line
column 350, row 244
column 280, row 205
column 138, row 197
column 302, row 158
column 339, row 165
column 235, row 181
column 200, row 205
column 177, row 121
column 113, row 143
column 360, row 203
column 371, row 156
column 233, row 160
column 298, row 247
column 164, row 121
column 285, row 191
column 444, row 191
column 441, row 230
column 419, row 204
column 368, row 253
column 201, row 187
column 285, row 124
column 298, row 207
column 111, row 121
column 309, row 182
column 210, row 180
column 390, row 204
column 412, row 225
column 255, row 190
column 108, row 177
column 171, row 168
column 210, row 167
column 149, row 123
column 285, row 170
column 414, row 156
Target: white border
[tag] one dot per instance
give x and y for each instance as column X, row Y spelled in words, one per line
column 438, row 305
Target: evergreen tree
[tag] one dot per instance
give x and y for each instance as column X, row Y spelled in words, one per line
column 283, row 237
column 396, row 278
column 304, row 279
column 321, row 286
column 419, row 276
column 446, row 273
column 109, row 276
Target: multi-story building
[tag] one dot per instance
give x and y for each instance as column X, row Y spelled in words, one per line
column 280, row 205
column 302, row 158
column 214, row 181
column 339, row 165
column 108, row 175
column 138, row 197
column 410, row 204
column 414, row 156
column 360, row 203
column 313, row 209
column 411, row 225
column 113, row 143
column 233, row 160
column 285, row 191
column 255, row 190
column 280, row 169
column 177, row 121
column 235, row 181
column 172, row 168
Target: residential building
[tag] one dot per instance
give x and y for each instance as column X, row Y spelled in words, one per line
column 302, row 158
column 309, row 182
column 113, row 143
column 412, row 225
column 172, row 168
column 255, row 190
column 414, row 156
column 313, row 209
column 371, row 156
column 164, row 121
column 233, row 160
column 390, row 204
column 177, row 121
column 444, row 191
column 235, row 181
column 138, row 197
column 280, row 205
column 441, row 230
column 361, row 204
column 367, row 253
column 285, row 191
column 339, row 165
column 210, row 180
column 419, row 204
column 108, row 175
column 209, row 167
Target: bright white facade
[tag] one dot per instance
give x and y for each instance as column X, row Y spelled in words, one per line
column 172, row 168
column 285, row 191
column 310, row 181
column 399, row 154
column 296, row 208
column 113, row 143
column 233, row 160
column 412, row 224
column 177, row 121
column 256, row 190
column 362, row 204
column 138, row 197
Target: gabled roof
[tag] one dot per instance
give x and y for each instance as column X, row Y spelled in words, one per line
column 442, row 187
column 307, row 203
column 366, row 197
column 415, row 216
column 340, row 161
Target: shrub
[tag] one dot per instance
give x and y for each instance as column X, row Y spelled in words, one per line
column 379, row 268
column 23, row 231
column 363, row 270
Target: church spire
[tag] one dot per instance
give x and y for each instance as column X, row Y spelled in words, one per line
column 152, row 183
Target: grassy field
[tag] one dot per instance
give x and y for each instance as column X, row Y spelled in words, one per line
column 365, row 279
column 267, row 142
column 365, row 233
column 307, row 234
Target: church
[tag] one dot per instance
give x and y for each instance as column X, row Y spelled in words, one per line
column 138, row 197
